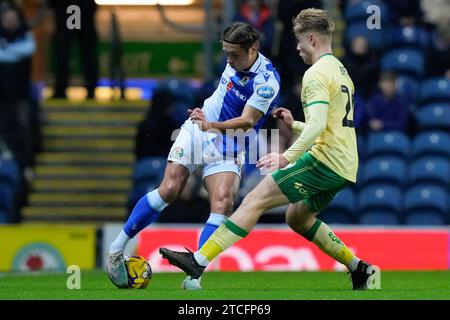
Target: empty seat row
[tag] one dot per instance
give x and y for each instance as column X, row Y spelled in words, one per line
column 395, row 170
column 428, row 143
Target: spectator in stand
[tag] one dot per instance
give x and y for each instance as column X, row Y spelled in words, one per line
column 406, row 12
column 17, row 45
column 438, row 58
column 287, row 62
column 362, row 65
column 387, row 110
column 63, row 38
column 154, row 136
column 258, row 14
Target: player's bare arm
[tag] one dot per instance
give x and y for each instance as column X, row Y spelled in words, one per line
column 250, row 116
column 285, row 115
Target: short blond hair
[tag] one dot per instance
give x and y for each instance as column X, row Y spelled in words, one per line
column 313, row 20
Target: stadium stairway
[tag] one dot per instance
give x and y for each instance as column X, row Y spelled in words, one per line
column 84, row 171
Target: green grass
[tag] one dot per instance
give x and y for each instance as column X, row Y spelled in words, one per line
column 95, row 285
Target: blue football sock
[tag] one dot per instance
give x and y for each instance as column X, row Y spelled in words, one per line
column 214, row 221
column 145, row 212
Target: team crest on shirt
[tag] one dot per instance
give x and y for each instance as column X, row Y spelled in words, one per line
column 244, row 81
column 177, row 153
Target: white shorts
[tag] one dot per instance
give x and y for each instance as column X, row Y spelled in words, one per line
column 193, row 148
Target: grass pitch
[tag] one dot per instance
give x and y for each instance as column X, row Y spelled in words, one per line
column 95, row 285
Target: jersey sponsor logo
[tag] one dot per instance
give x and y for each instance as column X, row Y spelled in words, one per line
column 236, row 92
column 229, row 86
column 265, row 91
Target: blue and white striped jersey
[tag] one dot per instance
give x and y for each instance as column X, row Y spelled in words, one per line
column 259, row 87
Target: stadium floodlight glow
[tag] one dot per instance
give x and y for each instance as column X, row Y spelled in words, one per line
column 144, row 2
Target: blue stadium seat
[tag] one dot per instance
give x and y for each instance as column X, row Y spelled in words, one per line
column 434, row 116
column 426, row 197
column 139, row 191
column 361, row 142
column 9, row 172
column 435, row 143
column 149, row 169
column 375, row 38
column 6, row 198
column 4, row 217
column 424, row 218
column 430, row 170
column 376, row 217
column 342, row 208
column 387, row 170
column 408, row 87
column 435, row 90
column 345, row 200
column 410, row 36
column 336, row 217
column 393, row 143
column 404, row 61
column 383, row 197
column 249, row 183
column 356, row 10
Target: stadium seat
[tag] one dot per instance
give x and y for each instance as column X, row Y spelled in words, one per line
column 357, row 10
column 336, row 217
column 426, row 197
column 435, row 90
column 424, row 218
column 404, row 61
column 430, row 170
column 361, row 142
column 149, row 169
column 9, row 172
column 345, row 200
column 249, row 183
column 410, row 36
column 387, row 170
column 408, row 87
column 435, row 143
column 434, row 116
column 341, row 209
column 394, row 143
column 6, row 198
column 375, row 37
column 379, row 218
column 139, row 191
column 4, row 218
column 383, row 197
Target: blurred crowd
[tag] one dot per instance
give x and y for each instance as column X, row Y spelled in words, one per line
column 387, row 66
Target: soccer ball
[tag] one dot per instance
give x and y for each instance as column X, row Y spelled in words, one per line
column 139, row 272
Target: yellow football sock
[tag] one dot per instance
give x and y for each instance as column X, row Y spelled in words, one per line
column 321, row 235
column 223, row 238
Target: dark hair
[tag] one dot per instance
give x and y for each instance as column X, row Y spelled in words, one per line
column 241, row 33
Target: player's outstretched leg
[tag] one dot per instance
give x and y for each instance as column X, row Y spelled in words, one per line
column 222, row 187
column 183, row 260
column 144, row 213
column 302, row 219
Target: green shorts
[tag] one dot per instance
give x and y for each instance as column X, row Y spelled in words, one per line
column 309, row 180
